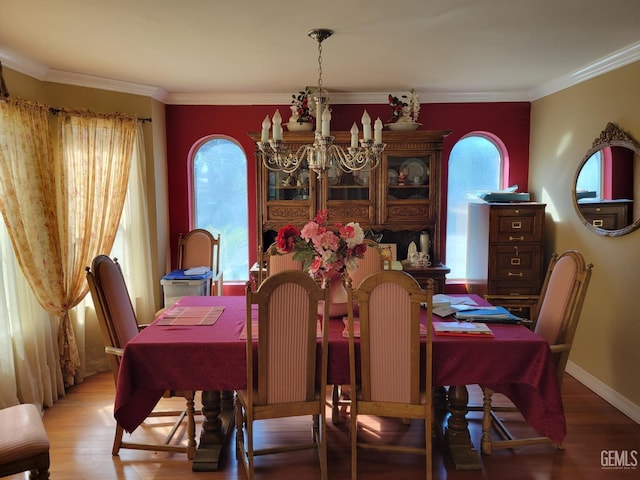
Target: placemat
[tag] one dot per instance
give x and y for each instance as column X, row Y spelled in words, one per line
column 254, row 330
column 356, row 328
column 191, row 316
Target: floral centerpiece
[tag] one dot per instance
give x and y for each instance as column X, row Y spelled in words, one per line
column 300, row 111
column 404, row 109
column 325, row 250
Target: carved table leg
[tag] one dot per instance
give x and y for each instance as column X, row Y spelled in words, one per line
column 217, row 408
column 457, row 437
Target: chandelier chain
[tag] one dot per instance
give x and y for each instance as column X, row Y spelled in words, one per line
column 319, row 66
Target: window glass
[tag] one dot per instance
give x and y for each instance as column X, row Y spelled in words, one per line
column 590, row 177
column 220, row 202
column 475, row 165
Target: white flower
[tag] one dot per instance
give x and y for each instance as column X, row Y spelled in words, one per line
column 358, row 235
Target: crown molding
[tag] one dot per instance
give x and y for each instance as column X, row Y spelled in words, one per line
column 90, row 81
column 352, row 98
column 608, row 63
column 20, row 63
column 27, row 66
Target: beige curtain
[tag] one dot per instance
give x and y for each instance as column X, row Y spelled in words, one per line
column 61, row 210
column 29, row 361
column 131, row 248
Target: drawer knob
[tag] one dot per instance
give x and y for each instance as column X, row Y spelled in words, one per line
column 511, row 274
column 511, row 238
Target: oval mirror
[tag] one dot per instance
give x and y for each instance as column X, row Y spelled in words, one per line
column 606, row 184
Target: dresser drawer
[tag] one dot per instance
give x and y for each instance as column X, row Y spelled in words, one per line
column 516, row 225
column 515, row 262
column 515, row 287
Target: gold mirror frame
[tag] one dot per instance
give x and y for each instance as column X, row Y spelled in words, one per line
column 612, row 136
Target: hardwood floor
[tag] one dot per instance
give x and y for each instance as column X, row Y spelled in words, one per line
column 81, row 427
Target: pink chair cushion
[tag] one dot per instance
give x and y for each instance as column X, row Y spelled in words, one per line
column 22, row 434
column 288, row 335
column 390, row 334
column 281, row 263
column 368, row 264
column 197, row 251
column 118, row 302
column 556, row 300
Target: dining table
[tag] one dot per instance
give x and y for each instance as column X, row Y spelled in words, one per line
column 198, row 344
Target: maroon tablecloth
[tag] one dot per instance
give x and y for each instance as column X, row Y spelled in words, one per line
column 515, row 362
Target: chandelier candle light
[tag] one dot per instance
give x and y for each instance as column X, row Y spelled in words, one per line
column 363, row 154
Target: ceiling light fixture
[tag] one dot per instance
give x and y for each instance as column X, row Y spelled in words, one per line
column 363, row 154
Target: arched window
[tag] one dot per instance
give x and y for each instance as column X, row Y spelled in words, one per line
column 589, row 181
column 220, row 201
column 476, row 164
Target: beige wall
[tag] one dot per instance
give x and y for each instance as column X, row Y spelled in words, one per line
column 563, row 127
column 103, row 101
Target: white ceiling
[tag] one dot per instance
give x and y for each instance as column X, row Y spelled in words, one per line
column 257, row 51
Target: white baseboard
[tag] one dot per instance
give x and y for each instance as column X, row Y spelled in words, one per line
column 604, row 391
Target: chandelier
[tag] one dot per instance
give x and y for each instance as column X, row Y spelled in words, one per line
column 363, row 154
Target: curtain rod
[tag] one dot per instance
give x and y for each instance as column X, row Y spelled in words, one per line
column 56, row 111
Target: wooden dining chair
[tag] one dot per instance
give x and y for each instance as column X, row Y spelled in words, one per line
column 199, row 248
column 119, row 325
column 394, row 380
column 279, row 262
column 371, row 262
column 559, row 306
column 24, row 445
column 286, row 376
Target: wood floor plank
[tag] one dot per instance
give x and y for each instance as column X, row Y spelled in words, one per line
column 81, row 427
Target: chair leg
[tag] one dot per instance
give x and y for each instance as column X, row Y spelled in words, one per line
column 117, row 440
column 315, row 435
column 322, row 447
column 428, row 444
column 354, row 443
column 239, row 430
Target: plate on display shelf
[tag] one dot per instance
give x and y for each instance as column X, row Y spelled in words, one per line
column 415, row 170
column 333, row 175
column 400, row 126
column 392, row 176
column 303, row 177
column 361, row 177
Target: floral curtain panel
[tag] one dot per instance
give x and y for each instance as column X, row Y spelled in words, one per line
column 61, row 210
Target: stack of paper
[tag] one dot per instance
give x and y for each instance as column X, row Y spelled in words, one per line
column 445, row 305
column 462, row 328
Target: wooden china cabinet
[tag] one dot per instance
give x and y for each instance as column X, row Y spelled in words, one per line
column 378, row 199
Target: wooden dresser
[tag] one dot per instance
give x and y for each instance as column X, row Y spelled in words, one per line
column 505, row 254
column 607, row 214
